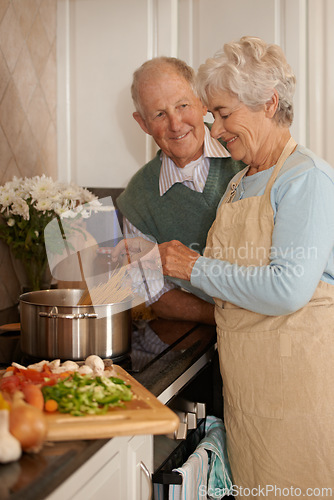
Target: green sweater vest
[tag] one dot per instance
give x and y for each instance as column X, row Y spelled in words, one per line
column 181, row 213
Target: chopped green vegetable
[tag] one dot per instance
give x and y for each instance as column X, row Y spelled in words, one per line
column 83, row 395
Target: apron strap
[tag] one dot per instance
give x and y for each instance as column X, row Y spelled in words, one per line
column 288, row 149
column 229, row 195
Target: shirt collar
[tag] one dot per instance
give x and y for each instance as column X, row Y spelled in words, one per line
column 170, row 173
column 213, row 148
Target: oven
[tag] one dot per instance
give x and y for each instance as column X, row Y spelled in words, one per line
column 198, row 394
column 185, row 376
column 178, row 363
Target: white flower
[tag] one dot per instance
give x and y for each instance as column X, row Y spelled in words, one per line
column 85, row 214
column 87, row 196
column 20, row 207
column 11, row 222
column 42, row 187
column 14, row 184
column 71, row 192
column 60, row 208
column 23, row 188
column 95, row 205
column 44, row 205
column 69, row 214
column 7, row 197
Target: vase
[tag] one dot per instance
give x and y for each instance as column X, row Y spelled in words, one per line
column 32, row 275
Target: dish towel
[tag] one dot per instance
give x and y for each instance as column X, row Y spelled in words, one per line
column 194, row 474
column 206, row 473
column 219, row 475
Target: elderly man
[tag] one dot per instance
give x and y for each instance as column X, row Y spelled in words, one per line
column 175, row 195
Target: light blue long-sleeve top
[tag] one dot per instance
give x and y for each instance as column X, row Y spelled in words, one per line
column 302, row 251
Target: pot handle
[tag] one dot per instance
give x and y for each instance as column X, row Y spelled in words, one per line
column 54, row 314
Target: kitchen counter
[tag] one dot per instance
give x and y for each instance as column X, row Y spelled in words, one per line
column 34, row 477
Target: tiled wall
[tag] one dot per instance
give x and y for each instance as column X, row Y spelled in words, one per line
column 28, row 99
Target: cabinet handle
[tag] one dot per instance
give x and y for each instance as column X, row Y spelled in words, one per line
column 148, row 475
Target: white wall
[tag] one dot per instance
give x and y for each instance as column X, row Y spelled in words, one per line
column 101, row 42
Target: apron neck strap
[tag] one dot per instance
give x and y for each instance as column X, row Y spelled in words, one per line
column 229, row 195
column 288, row 149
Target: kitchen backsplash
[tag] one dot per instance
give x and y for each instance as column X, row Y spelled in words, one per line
column 28, row 104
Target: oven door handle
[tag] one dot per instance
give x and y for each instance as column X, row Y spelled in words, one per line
column 180, row 432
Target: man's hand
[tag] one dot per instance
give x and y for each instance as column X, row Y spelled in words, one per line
column 179, row 305
column 177, row 259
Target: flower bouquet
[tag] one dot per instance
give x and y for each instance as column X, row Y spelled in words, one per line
column 27, row 205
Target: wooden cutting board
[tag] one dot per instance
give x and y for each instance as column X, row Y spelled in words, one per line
column 144, row 414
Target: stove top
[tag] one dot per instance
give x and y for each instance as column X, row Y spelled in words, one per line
column 146, row 349
column 162, row 351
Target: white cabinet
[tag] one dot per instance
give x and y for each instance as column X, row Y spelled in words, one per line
column 119, row 470
column 139, row 468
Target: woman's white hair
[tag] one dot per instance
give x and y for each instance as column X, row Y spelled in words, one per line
column 250, row 69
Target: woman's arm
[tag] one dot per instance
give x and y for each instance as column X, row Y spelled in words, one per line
column 302, row 246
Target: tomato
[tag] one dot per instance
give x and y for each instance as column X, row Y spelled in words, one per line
column 24, row 379
column 32, row 376
column 10, row 384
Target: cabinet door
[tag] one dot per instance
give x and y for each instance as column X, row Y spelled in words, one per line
column 140, row 467
column 120, row 470
column 108, row 482
column 126, row 475
column 103, row 476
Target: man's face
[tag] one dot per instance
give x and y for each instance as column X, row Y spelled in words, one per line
column 173, row 115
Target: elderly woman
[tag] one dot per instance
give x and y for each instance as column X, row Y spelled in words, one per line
column 269, row 264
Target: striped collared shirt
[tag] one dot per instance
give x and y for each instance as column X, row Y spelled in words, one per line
column 193, row 175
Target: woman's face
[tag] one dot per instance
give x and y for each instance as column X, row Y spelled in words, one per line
column 244, row 130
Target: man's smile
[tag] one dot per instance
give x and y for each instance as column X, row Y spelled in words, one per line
column 179, row 137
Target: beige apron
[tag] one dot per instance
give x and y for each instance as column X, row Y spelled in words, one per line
column 278, row 371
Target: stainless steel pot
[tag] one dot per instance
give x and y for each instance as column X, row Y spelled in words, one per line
column 54, row 326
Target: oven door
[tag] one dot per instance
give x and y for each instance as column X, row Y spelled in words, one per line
column 200, row 396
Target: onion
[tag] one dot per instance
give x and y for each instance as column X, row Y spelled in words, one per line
column 28, row 424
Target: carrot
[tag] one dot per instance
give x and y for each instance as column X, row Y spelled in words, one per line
column 51, row 405
column 33, row 395
column 64, row 375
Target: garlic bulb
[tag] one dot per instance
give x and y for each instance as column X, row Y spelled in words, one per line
column 10, row 448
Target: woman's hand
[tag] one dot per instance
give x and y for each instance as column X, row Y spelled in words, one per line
column 177, row 259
